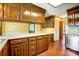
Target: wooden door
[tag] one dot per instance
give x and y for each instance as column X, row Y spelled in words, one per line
column 11, row 11
column 25, row 12
column 60, row 30
column 1, row 11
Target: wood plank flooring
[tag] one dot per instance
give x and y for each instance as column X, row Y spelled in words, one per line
column 57, row 49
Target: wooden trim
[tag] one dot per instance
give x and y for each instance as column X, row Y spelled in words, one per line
column 1, row 29
column 7, row 20
column 41, row 9
column 51, row 16
column 73, row 8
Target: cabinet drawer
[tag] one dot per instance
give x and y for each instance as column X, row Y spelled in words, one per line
column 14, row 42
column 32, row 43
column 25, row 40
column 40, row 37
column 32, row 39
column 32, row 50
column 46, row 36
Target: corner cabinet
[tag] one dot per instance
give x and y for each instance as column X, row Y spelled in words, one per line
column 73, row 16
column 11, row 11
column 49, row 22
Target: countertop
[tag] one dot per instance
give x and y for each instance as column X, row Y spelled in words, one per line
column 5, row 38
column 71, row 34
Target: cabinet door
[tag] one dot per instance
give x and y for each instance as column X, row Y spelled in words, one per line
column 0, row 53
column 35, row 15
column 32, row 50
column 42, row 17
column 39, row 46
column 1, row 11
column 11, row 11
column 71, row 19
column 4, row 51
column 24, row 12
column 42, row 44
column 19, row 50
column 15, row 50
column 45, row 43
column 77, row 17
column 24, row 49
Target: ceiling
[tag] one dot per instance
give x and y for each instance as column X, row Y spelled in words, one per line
column 60, row 10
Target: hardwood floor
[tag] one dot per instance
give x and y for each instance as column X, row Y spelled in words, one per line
column 57, row 49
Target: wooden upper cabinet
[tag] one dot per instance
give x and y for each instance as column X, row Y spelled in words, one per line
column 11, row 11
column 76, row 17
column 73, row 16
column 36, row 14
column 24, row 12
column 42, row 18
column 1, row 11
column 49, row 22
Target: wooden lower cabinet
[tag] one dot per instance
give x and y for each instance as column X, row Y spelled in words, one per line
column 51, row 37
column 32, row 50
column 19, row 50
column 4, row 51
column 30, row 46
column 42, row 44
column 24, row 49
column 0, row 53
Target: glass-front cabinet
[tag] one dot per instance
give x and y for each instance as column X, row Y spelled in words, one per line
column 11, row 11
column 35, row 15
column 73, row 16
column 77, row 18
column 25, row 12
